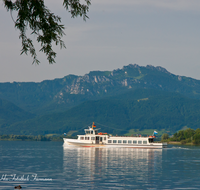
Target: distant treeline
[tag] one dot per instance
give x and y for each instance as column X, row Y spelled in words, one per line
column 30, row 138
column 184, row 136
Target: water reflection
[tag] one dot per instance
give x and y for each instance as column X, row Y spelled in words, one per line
column 21, row 161
column 111, row 166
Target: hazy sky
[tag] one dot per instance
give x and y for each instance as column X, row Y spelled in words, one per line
column 119, row 32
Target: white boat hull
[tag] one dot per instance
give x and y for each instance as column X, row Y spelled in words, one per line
column 76, row 142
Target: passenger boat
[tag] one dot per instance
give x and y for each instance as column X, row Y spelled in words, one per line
column 93, row 138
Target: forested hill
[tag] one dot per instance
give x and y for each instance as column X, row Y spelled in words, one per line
column 136, row 110
column 65, row 93
column 124, row 100
column 10, row 113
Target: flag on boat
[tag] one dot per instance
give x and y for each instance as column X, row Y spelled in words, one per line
column 93, row 125
column 155, row 132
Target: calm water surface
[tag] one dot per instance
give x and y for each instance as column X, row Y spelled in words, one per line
column 49, row 165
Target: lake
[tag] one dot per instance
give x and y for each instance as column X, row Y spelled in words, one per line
column 49, row 165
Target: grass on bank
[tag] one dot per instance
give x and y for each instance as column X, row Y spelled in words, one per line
column 144, row 132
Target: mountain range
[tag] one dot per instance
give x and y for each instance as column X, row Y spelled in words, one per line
column 121, row 101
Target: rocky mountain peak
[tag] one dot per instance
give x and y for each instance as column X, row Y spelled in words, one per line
column 132, row 66
column 158, row 68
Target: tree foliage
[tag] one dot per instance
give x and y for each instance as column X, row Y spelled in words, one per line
column 165, row 136
column 34, row 15
column 187, row 136
column 196, row 137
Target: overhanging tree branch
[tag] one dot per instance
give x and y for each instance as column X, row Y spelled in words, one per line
column 34, row 15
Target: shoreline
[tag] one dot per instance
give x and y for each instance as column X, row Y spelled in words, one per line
column 179, row 143
column 30, row 138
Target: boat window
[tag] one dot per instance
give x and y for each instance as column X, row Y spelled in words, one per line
column 96, row 132
column 139, row 142
column 87, row 138
column 144, row 142
column 82, row 138
column 129, row 142
column 124, row 141
column 119, row 141
column 150, row 140
column 134, row 142
column 114, row 141
column 109, row 141
column 87, row 132
column 104, row 138
column 92, row 138
column 91, row 132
